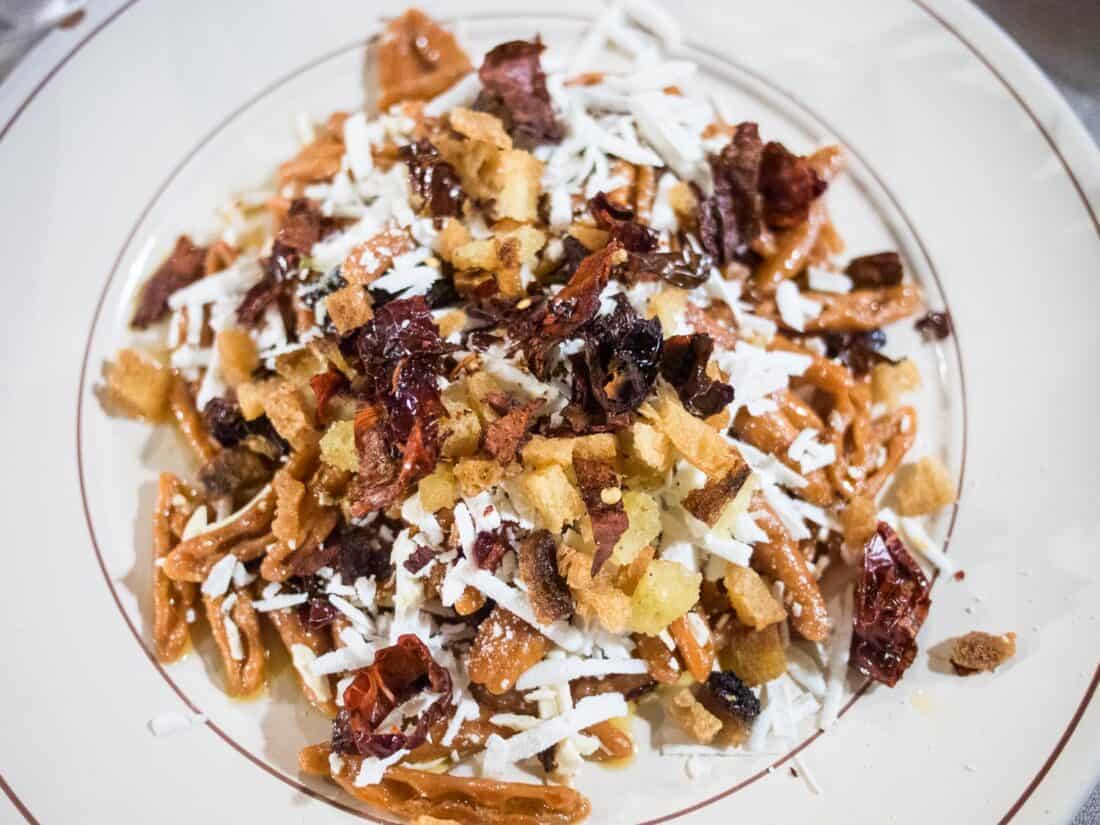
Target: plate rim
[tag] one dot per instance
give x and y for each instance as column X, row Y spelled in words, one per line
column 775, row 90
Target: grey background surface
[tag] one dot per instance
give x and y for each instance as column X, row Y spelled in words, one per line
column 1062, row 36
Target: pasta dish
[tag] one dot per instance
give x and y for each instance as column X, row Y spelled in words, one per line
column 531, row 395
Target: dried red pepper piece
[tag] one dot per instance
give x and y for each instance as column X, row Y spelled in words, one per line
column 514, row 89
column 303, row 227
column 548, row 323
column 789, row 185
column 399, row 672
column 619, row 222
column 891, row 604
column 183, row 267
column 551, row 599
column 433, row 179
column 684, row 365
column 731, row 218
column 615, row 371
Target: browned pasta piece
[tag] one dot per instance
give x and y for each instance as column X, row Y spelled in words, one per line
column 895, row 433
column 797, row 411
column 698, row 656
column 190, row 422
column 172, row 600
column 848, row 422
column 615, row 743
column 864, row 309
column 794, row 247
column 317, row 161
column 829, row 245
column 779, row 558
column 659, row 658
column 773, row 433
column 301, row 524
column 504, row 648
column 246, row 535
column 471, row 737
column 468, row 800
column 293, row 633
column 237, row 635
column 792, row 251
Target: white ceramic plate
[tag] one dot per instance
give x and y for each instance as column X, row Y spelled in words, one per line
column 128, row 129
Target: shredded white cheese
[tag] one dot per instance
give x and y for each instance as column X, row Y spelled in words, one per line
column 588, row 711
column 556, row 671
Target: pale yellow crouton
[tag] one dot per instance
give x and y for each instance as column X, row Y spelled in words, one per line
column 299, row 366
column 329, row 351
column 518, row 248
column 251, row 395
column 474, row 160
column 555, row 499
column 479, row 386
column 518, row 180
column 682, row 200
column 454, row 321
column 596, row 447
column 479, row 254
column 480, row 126
column 756, row 656
column 453, row 235
column 476, row 475
column 751, row 598
column 648, row 450
column 460, row 430
column 541, row 451
column 439, row 489
column 889, row 382
column 643, row 527
column 237, row 355
column 349, row 308
column 596, row 599
column 290, row 416
column 666, row 591
column 701, row 445
column 923, row 488
column 591, row 237
column 140, row 384
column 338, row 446
column 668, row 306
column 528, row 242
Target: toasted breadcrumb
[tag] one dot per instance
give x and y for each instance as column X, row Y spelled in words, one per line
column 140, row 384
column 338, row 446
column 891, row 381
column 237, row 355
column 349, row 308
column 923, row 488
column 689, row 713
column 978, row 651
